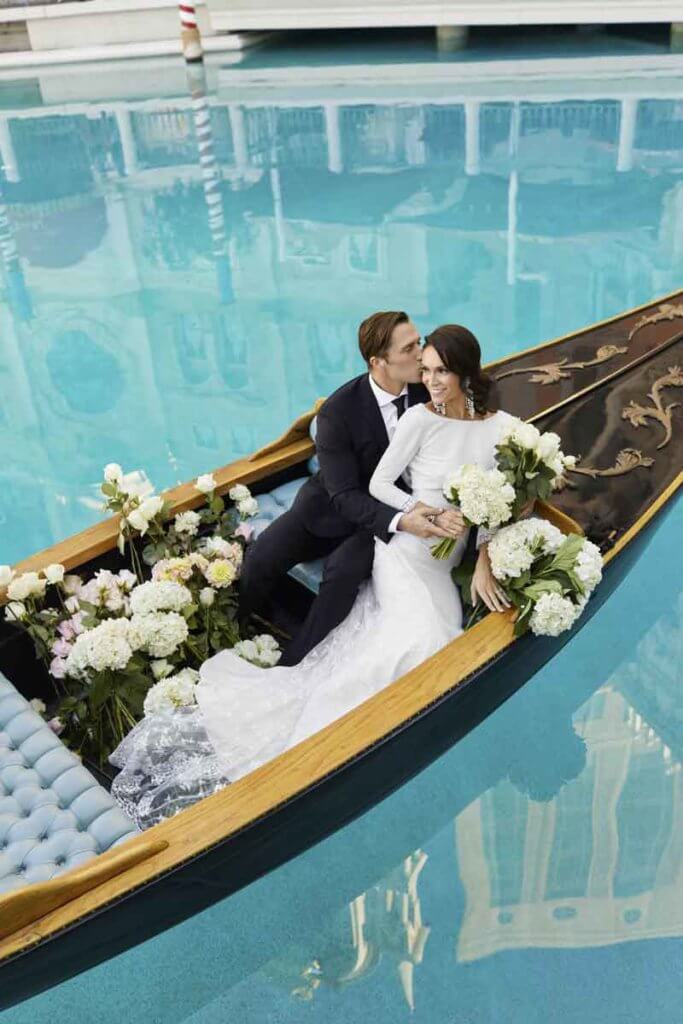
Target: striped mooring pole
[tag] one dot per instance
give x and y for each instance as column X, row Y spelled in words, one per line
column 190, row 39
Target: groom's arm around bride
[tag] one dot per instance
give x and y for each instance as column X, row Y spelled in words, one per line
column 334, row 516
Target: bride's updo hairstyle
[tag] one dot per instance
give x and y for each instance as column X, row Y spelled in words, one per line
column 459, row 351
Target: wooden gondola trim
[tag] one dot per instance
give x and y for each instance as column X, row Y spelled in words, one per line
column 23, row 907
column 281, row 780
column 584, row 330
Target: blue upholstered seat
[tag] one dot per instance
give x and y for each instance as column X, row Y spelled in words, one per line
column 53, row 814
column 279, row 500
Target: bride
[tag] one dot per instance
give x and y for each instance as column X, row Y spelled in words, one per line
column 246, row 715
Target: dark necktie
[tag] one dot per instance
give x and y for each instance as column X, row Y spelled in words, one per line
column 400, row 404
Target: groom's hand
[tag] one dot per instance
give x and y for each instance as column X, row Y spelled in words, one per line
column 418, row 522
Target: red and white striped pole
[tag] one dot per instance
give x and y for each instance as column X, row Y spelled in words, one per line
column 189, row 33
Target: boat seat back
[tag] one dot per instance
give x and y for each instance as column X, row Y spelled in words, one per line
column 54, row 815
column 279, row 500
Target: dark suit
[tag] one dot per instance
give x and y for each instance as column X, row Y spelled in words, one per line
column 333, row 515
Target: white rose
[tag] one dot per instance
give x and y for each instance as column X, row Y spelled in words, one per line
column 569, row 461
column 218, row 546
column 6, row 575
column 247, row 507
column 187, row 522
column 548, row 446
column 15, row 611
column 525, row 434
column 72, row 584
column 150, row 507
column 26, row 585
column 54, row 573
column 207, row 596
column 113, row 474
column 161, row 668
column 206, row 483
column 38, row 706
column 239, row 493
column 138, row 521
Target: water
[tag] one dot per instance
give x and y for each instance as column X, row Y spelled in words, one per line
column 523, row 199
column 533, row 873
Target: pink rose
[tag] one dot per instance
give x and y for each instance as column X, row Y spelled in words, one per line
column 77, row 623
column 58, row 668
column 57, row 725
column 245, row 531
column 61, row 648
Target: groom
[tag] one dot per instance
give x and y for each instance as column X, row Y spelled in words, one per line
column 333, row 515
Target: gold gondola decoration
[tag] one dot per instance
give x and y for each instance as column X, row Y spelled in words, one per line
column 667, row 311
column 638, row 414
column 626, row 461
column 551, row 373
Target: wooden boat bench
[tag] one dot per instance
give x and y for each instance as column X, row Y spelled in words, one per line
column 279, row 500
column 54, row 815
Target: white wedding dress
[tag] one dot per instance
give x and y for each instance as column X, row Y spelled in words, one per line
column 407, row 611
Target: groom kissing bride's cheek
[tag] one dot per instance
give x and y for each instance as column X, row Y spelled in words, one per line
column 334, row 515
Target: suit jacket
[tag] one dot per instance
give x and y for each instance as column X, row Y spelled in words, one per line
column 351, row 439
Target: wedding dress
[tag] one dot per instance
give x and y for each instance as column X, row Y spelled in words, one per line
column 408, row 610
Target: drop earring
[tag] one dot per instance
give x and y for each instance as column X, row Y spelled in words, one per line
column 469, row 399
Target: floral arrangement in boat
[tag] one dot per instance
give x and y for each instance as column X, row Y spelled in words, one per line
column 122, row 644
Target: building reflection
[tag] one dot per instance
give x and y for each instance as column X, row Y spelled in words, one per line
column 579, row 845
column 565, row 210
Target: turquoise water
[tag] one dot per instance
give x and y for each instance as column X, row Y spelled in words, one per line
column 534, row 872
column 522, row 203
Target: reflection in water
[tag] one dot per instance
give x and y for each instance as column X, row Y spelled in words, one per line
column 127, row 229
column 580, row 846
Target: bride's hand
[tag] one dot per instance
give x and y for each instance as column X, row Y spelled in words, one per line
column 485, row 585
column 424, row 521
column 452, row 519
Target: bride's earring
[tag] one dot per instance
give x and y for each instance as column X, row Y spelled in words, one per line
column 469, row 398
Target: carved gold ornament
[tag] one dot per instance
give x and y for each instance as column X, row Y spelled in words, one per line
column 626, row 461
column 667, row 311
column 638, row 414
column 550, row 373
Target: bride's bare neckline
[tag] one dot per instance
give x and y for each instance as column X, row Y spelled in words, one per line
column 455, row 419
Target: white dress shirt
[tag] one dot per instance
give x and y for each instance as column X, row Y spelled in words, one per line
column 385, row 401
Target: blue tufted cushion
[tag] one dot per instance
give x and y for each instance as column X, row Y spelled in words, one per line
column 53, row 814
column 313, row 463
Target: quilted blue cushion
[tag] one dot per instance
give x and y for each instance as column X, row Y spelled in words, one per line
column 279, row 500
column 53, row 814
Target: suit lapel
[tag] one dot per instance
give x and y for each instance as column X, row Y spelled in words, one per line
column 373, row 416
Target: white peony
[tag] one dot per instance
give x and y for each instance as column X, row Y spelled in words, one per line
column 29, row 584
column 15, row 611
column 206, row 483
column 553, row 614
column 239, row 493
column 188, row 523
column 159, row 596
column 176, row 691
column 6, row 575
column 113, row 474
column 207, row 596
column 158, row 633
column 54, row 573
column 220, row 573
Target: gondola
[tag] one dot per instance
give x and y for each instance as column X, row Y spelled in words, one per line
column 611, row 392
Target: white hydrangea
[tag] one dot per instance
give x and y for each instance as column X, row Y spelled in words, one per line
column 484, row 496
column 158, row 633
column 263, row 650
column 513, row 549
column 159, row 596
column 553, row 614
column 588, row 566
column 107, row 646
column 176, row 691
column 187, row 523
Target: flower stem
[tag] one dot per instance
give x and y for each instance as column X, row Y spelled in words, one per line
column 444, row 548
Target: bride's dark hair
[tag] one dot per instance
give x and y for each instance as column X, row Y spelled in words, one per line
column 459, row 351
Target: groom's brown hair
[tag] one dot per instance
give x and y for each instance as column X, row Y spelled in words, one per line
column 374, row 334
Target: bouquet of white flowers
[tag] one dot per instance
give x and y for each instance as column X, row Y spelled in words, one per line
column 547, row 576
column 484, row 497
column 532, row 462
column 119, row 644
